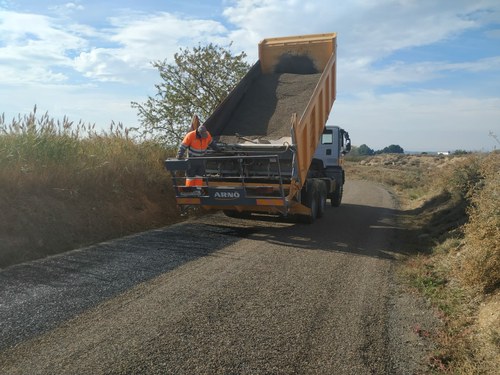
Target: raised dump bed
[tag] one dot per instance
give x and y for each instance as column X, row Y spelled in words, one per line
column 286, row 97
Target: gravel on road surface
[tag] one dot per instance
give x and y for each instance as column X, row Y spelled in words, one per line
column 222, row 296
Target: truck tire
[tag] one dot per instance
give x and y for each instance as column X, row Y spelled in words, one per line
column 310, row 199
column 336, row 197
column 321, row 198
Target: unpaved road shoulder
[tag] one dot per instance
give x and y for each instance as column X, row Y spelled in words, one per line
column 220, row 296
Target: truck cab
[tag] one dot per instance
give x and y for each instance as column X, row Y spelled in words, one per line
column 334, row 143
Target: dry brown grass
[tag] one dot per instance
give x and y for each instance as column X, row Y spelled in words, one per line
column 63, row 186
column 450, row 209
column 479, row 264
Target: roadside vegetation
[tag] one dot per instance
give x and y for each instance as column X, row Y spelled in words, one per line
column 450, row 231
column 65, row 185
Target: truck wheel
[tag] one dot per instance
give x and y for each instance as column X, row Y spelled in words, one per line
column 311, row 201
column 336, row 197
column 321, row 198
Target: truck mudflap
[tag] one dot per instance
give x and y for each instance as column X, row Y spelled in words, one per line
column 242, row 192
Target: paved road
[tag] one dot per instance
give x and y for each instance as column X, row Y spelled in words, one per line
column 220, row 296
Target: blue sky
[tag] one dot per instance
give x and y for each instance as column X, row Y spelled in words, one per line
column 423, row 74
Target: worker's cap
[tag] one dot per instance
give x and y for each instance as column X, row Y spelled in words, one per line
column 203, row 131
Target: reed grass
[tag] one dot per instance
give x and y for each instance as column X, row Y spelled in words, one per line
column 105, row 183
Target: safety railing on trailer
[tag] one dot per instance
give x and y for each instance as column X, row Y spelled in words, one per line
column 230, row 181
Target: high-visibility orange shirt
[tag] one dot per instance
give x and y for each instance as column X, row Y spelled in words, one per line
column 196, row 146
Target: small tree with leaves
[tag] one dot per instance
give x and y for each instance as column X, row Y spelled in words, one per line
column 195, row 83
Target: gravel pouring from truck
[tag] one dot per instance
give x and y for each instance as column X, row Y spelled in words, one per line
column 276, row 153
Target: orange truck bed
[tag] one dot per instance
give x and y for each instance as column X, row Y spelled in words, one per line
column 307, row 126
column 305, row 123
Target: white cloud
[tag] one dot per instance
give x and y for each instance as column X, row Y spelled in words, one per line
column 33, row 48
column 362, row 77
column 66, row 9
column 140, row 39
column 37, row 31
column 31, row 74
column 486, row 64
column 73, row 6
column 34, row 43
column 101, row 64
column 367, row 29
column 150, row 37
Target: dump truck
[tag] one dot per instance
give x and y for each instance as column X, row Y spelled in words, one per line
column 276, row 154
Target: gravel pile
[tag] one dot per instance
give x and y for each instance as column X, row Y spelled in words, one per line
column 266, row 109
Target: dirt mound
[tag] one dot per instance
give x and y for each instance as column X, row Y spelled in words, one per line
column 266, row 109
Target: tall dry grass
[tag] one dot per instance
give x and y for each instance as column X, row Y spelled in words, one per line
column 469, row 264
column 64, row 185
column 461, row 274
column 450, row 210
column 40, row 150
column 479, row 263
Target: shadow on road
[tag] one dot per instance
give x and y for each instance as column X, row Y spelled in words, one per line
column 60, row 287
column 355, row 229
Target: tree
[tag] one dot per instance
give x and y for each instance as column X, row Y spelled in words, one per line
column 199, row 79
column 392, row 149
column 365, row 150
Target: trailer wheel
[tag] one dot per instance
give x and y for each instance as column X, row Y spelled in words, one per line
column 321, row 198
column 336, row 197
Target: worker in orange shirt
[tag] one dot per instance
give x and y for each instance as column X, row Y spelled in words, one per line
column 196, row 142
